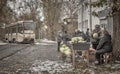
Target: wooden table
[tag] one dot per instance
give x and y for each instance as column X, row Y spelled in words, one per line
column 86, row 56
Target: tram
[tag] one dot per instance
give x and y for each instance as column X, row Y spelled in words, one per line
column 21, row 32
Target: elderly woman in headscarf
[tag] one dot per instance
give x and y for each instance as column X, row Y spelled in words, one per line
column 104, row 46
column 95, row 36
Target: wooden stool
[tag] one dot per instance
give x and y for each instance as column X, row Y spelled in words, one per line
column 107, row 57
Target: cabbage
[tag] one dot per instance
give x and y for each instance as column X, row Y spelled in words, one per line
column 62, row 49
column 65, row 50
column 64, row 46
column 67, row 53
column 71, row 42
column 80, row 39
column 77, row 39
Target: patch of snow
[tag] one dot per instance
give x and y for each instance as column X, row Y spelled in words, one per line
column 51, row 67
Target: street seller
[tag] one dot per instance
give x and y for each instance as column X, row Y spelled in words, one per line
column 104, row 46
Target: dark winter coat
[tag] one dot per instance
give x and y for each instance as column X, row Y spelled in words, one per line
column 105, row 45
column 95, row 41
column 59, row 37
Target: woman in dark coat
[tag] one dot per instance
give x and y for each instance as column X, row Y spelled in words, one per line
column 104, row 46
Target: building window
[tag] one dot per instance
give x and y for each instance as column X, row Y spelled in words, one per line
column 85, row 24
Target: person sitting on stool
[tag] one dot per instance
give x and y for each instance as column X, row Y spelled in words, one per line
column 104, row 46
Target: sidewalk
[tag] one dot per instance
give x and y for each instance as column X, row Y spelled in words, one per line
column 48, row 41
column 2, row 43
column 45, row 42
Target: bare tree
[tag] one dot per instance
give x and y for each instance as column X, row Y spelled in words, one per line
column 28, row 10
column 70, row 13
column 6, row 12
column 52, row 9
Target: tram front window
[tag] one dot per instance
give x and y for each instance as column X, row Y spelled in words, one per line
column 29, row 27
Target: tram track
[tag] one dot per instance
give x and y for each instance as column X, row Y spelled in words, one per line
column 3, row 47
column 12, row 52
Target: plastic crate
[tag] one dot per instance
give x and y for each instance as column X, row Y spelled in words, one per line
column 81, row 46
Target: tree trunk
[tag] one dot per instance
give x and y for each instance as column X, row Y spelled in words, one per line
column 116, row 32
column 52, row 13
column 116, row 35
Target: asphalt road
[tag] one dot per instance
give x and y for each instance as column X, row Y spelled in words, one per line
column 18, row 56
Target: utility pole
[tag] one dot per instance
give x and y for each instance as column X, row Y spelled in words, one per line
column 90, row 16
column 82, row 17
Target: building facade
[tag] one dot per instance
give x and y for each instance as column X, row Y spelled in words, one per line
column 87, row 20
column 106, row 20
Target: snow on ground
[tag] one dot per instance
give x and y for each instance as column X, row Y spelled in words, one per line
column 51, row 67
column 45, row 42
column 55, row 67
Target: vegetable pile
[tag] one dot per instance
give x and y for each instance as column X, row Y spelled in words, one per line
column 65, row 50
